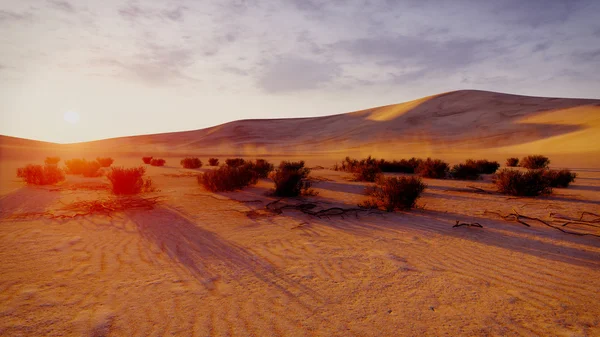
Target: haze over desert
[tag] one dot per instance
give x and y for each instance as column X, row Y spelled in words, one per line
column 299, row 168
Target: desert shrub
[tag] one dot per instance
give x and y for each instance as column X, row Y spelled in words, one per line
column 560, row 178
column 530, row 183
column 41, row 175
column 263, row 168
column 129, row 180
column 157, row 162
column 213, row 162
column 484, row 166
column 290, row 179
column 105, row 162
column 83, row 167
column 395, row 193
column 535, row 162
column 191, row 163
column 512, row 162
column 402, row 166
column 147, row 160
column 51, row 160
column 466, row 171
column 228, row 178
column 367, row 169
column 234, row 162
column 433, row 168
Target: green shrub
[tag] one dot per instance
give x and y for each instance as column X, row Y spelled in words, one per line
column 51, row 160
column 228, row 178
column 157, row 162
column 433, row 168
column 290, row 179
column 535, row 162
column 234, row 162
column 560, row 178
column 530, row 183
column 191, row 163
column 213, row 162
column 512, row 162
column 41, row 175
column 105, row 162
column 395, row 193
column 147, row 160
column 129, row 181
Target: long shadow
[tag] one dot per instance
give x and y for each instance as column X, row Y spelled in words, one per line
column 585, row 188
column 27, row 199
column 205, row 254
column 561, row 198
column 340, row 187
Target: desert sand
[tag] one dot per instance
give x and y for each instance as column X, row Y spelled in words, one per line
column 221, row 264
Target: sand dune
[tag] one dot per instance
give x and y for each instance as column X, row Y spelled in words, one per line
column 450, row 125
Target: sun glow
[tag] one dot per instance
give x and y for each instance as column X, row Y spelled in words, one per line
column 71, row 117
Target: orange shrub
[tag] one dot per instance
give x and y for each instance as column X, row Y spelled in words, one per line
column 41, row 175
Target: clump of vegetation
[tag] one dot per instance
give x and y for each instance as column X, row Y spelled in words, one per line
column 51, row 160
column 105, row 162
column 290, row 179
column 147, row 160
column 464, row 172
column 235, row 162
column 395, row 193
column 402, row 166
column 535, row 162
column 367, row 170
column 191, row 163
column 41, row 175
column 213, row 162
column 484, row 166
column 512, row 162
column 81, row 166
column 129, row 180
column 433, row 168
column 528, row 184
column 263, row 168
column 228, row 178
column 158, row 162
column 560, row 178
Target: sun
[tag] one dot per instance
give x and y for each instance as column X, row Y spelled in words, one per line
column 71, row 117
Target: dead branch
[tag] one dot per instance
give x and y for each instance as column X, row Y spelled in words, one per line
column 308, row 208
column 479, row 190
column 517, row 217
column 474, row 224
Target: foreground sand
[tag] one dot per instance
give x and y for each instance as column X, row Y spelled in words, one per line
column 204, row 264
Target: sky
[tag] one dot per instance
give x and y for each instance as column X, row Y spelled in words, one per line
column 84, row 70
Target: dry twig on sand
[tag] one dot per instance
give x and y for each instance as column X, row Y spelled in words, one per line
column 473, row 224
column 515, row 216
column 307, row 208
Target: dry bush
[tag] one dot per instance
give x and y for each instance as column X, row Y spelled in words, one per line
column 129, row 180
column 213, row 162
column 234, row 162
column 512, row 162
column 464, row 172
column 83, row 167
column 433, row 168
column 535, row 162
column 105, row 162
column 290, row 179
column 147, row 160
column 395, row 193
column 41, row 175
column 560, row 178
column 484, row 166
column 51, row 160
column 531, row 183
column 191, row 163
column 228, row 178
column 263, row 168
column 158, row 162
column 402, row 166
column 367, row 169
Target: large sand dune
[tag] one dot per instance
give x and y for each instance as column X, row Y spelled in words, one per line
column 450, row 125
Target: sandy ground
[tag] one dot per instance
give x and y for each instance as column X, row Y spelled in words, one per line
column 204, row 264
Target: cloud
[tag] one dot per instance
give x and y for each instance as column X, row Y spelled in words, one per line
column 133, row 12
column 536, row 13
column 62, row 5
column 6, row 16
column 541, row 47
column 174, row 14
column 292, row 73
